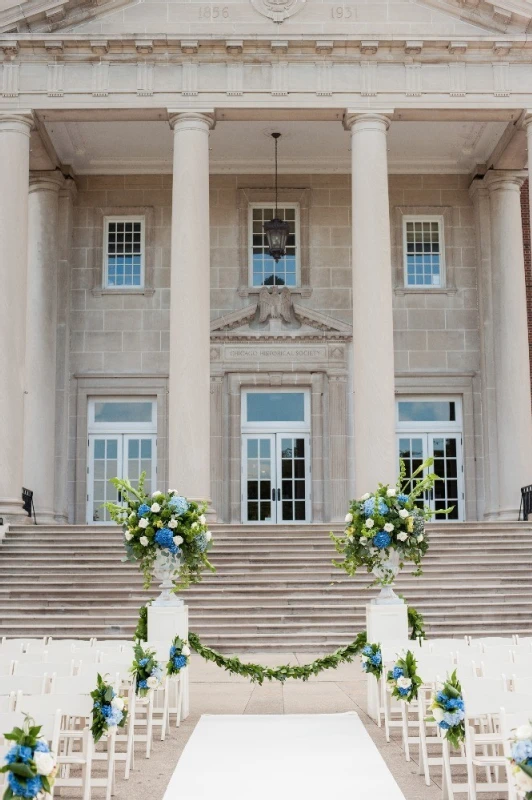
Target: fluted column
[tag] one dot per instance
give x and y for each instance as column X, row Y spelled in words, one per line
column 41, row 341
column 189, row 392
column 373, row 353
column 512, row 364
column 15, row 128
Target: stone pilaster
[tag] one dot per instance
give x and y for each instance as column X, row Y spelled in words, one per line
column 316, row 412
column 41, row 340
column 15, row 128
column 373, row 350
column 513, row 426
column 337, row 447
column 217, row 450
column 189, row 384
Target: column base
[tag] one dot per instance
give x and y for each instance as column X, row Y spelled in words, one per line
column 12, row 511
column 503, row 515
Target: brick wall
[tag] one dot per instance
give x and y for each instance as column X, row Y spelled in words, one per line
column 525, row 209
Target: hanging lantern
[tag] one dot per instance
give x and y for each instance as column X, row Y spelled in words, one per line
column 276, row 229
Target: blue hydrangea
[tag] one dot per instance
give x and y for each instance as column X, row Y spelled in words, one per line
column 398, row 672
column 180, row 661
column 144, row 662
column 201, row 542
column 165, row 539
column 157, row 671
column 522, row 751
column 178, row 504
column 382, row 540
column 19, row 753
column 115, row 717
column 376, row 658
column 173, row 651
column 365, row 666
column 29, row 788
column 369, row 507
column 402, row 499
column 42, row 746
column 143, row 509
column 143, row 684
column 453, row 718
column 367, row 650
column 107, row 711
column 402, row 691
column 444, row 725
column 453, row 703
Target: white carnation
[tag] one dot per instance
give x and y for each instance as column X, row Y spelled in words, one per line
column 172, row 523
column 348, row 518
column 118, row 702
column 404, row 683
column 208, row 535
column 403, row 536
column 157, row 494
column 143, row 523
column 370, row 523
column 44, row 763
column 185, row 650
column 404, row 513
column 155, row 508
column 391, row 493
column 523, row 781
column 523, row 732
column 388, row 527
column 363, row 540
column 144, row 541
column 365, row 496
column 438, row 714
column 420, row 537
column 128, row 536
column 178, row 540
column 152, row 682
column 202, row 519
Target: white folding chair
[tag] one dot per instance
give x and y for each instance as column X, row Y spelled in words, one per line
column 27, row 684
column 16, row 644
column 496, row 641
column 38, row 668
column 523, row 641
column 6, row 667
column 77, row 684
column 522, row 684
column 36, row 646
column 523, row 658
column 7, row 703
column 509, row 722
column 87, row 655
column 50, row 724
column 492, row 665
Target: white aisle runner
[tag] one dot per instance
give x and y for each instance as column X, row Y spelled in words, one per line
column 288, row 757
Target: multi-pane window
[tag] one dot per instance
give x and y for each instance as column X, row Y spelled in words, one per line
column 263, row 269
column 423, row 251
column 124, row 252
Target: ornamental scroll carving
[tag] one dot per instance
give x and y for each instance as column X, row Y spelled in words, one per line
column 278, row 10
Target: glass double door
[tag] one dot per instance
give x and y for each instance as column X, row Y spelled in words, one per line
column 275, row 478
column 117, row 456
column 446, row 449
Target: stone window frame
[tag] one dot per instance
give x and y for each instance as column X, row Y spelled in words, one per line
column 98, row 268
column 464, row 386
column 101, row 386
column 297, row 233
column 121, row 218
column 445, row 213
column 259, row 195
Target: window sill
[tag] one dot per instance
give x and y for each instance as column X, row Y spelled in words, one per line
column 123, row 290
column 246, row 291
column 400, row 290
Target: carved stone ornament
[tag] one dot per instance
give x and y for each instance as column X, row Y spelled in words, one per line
column 278, row 10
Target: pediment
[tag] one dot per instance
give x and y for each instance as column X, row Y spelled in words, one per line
column 305, row 323
column 417, row 19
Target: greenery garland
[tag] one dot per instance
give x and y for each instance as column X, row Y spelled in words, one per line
column 141, row 631
column 417, row 623
column 258, row 674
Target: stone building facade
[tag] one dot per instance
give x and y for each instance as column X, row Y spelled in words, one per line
column 159, row 336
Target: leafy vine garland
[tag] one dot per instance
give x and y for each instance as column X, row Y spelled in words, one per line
column 258, row 674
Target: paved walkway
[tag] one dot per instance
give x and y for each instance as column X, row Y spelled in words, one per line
column 216, row 692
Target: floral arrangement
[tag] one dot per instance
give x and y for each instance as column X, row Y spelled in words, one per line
column 108, row 710
column 179, row 655
column 30, row 765
column 372, row 659
column 403, row 680
column 521, row 760
column 416, row 623
column 168, row 525
column 448, row 711
column 147, row 671
column 389, row 519
column 141, row 631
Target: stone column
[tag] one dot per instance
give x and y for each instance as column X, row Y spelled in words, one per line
column 15, row 128
column 41, row 341
column 513, row 426
column 189, row 385
column 373, row 353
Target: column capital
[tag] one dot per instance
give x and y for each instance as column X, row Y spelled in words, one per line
column 16, row 122
column 202, row 120
column 505, row 179
column 527, row 119
column 47, row 181
column 367, row 120
column 69, row 188
column 478, row 188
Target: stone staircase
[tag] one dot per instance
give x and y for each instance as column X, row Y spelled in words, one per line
column 275, row 587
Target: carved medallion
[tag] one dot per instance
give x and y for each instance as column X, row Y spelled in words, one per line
column 278, row 10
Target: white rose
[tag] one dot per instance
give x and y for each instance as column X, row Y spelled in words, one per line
column 365, row 496
column 438, row 714
column 157, row 494
column 155, row 508
column 523, row 732
column 390, row 493
column 403, row 536
column 144, row 541
column 118, row 702
column 523, row 781
column 128, row 536
column 143, row 522
column 44, row 762
column 172, row 523
column 363, row 540
column 404, row 683
column 185, row 650
column 202, row 519
column 370, row 523
column 404, row 513
column 348, row 518
column 178, row 540
column 152, row 682
column 420, row 537
column 388, row 527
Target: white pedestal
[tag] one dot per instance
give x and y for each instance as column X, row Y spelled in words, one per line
column 384, row 623
column 164, row 623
